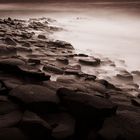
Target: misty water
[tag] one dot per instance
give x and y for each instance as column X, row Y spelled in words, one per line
column 107, row 29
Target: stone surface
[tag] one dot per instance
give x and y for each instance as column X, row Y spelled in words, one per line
column 10, row 41
column 91, row 62
column 33, row 126
column 12, row 133
column 53, row 69
column 63, row 125
column 135, row 102
column 85, row 105
column 37, row 98
column 125, row 125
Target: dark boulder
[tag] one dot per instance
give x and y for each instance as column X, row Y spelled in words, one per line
column 10, row 114
column 90, row 61
column 63, row 60
column 40, row 36
column 124, row 75
column 63, row 125
column 53, row 69
column 35, row 127
column 7, row 50
column 86, row 105
column 60, row 44
column 12, row 133
column 35, row 97
column 10, row 41
column 136, row 102
column 124, row 126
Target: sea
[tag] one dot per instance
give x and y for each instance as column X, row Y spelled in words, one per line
column 105, row 29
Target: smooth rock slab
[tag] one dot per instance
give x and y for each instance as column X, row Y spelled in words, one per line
column 53, row 69
column 12, row 133
column 33, row 126
column 124, row 126
column 10, row 41
column 7, row 106
column 124, row 75
column 136, row 102
column 85, row 105
column 63, row 125
column 37, row 98
column 7, row 50
column 10, row 119
column 91, row 62
column 41, row 36
column 6, row 63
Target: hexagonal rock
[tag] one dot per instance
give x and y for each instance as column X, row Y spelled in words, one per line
column 53, row 69
column 86, row 106
column 124, row 75
column 10, row 41
column 12, row 133
column 91, row 62
column 63, row 125
column 10, row 114
column 35, row 127
column 41, row 36
column 60, row 44
column 11, row 62
column 10, row 119
column 135, row 101
column 125, row 126
column 7, row 50
column 36, row 97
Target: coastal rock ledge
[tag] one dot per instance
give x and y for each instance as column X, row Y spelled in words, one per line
column 46, row 95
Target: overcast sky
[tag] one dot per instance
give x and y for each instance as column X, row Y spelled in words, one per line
column 10, row 1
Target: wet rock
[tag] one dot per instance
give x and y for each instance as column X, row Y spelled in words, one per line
column 12, row 133
column 23, row 49
column 70, row 71
column 74, row 69
column 12, row 83
column 86, row 106
column 41, row 36
column 11, row 62
column 7, row 50
column 34, row 60
column 10, row 119
column 87, row 76
column 28, row 72
column 95, row 86
column 67, row 80
column 36, row 25
column 27, row 35
column 124, row 75
column 82, row 55
column 10, row 41
column 107, row 84
column 92, row 62
column 63, row 125
column 26, row 44
column 136, row 72
column 63, row 60
column 60, row 44
column 53, row 69
column 136, row 102
column 33, row 126
column 6, row 106
column 125, row 125
column 37, row 98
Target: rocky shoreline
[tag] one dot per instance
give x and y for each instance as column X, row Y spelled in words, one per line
column 44, row 94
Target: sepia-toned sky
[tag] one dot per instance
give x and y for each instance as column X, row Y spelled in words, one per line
column 22, row 1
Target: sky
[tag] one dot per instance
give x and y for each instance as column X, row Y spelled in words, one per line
column 22, row 1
